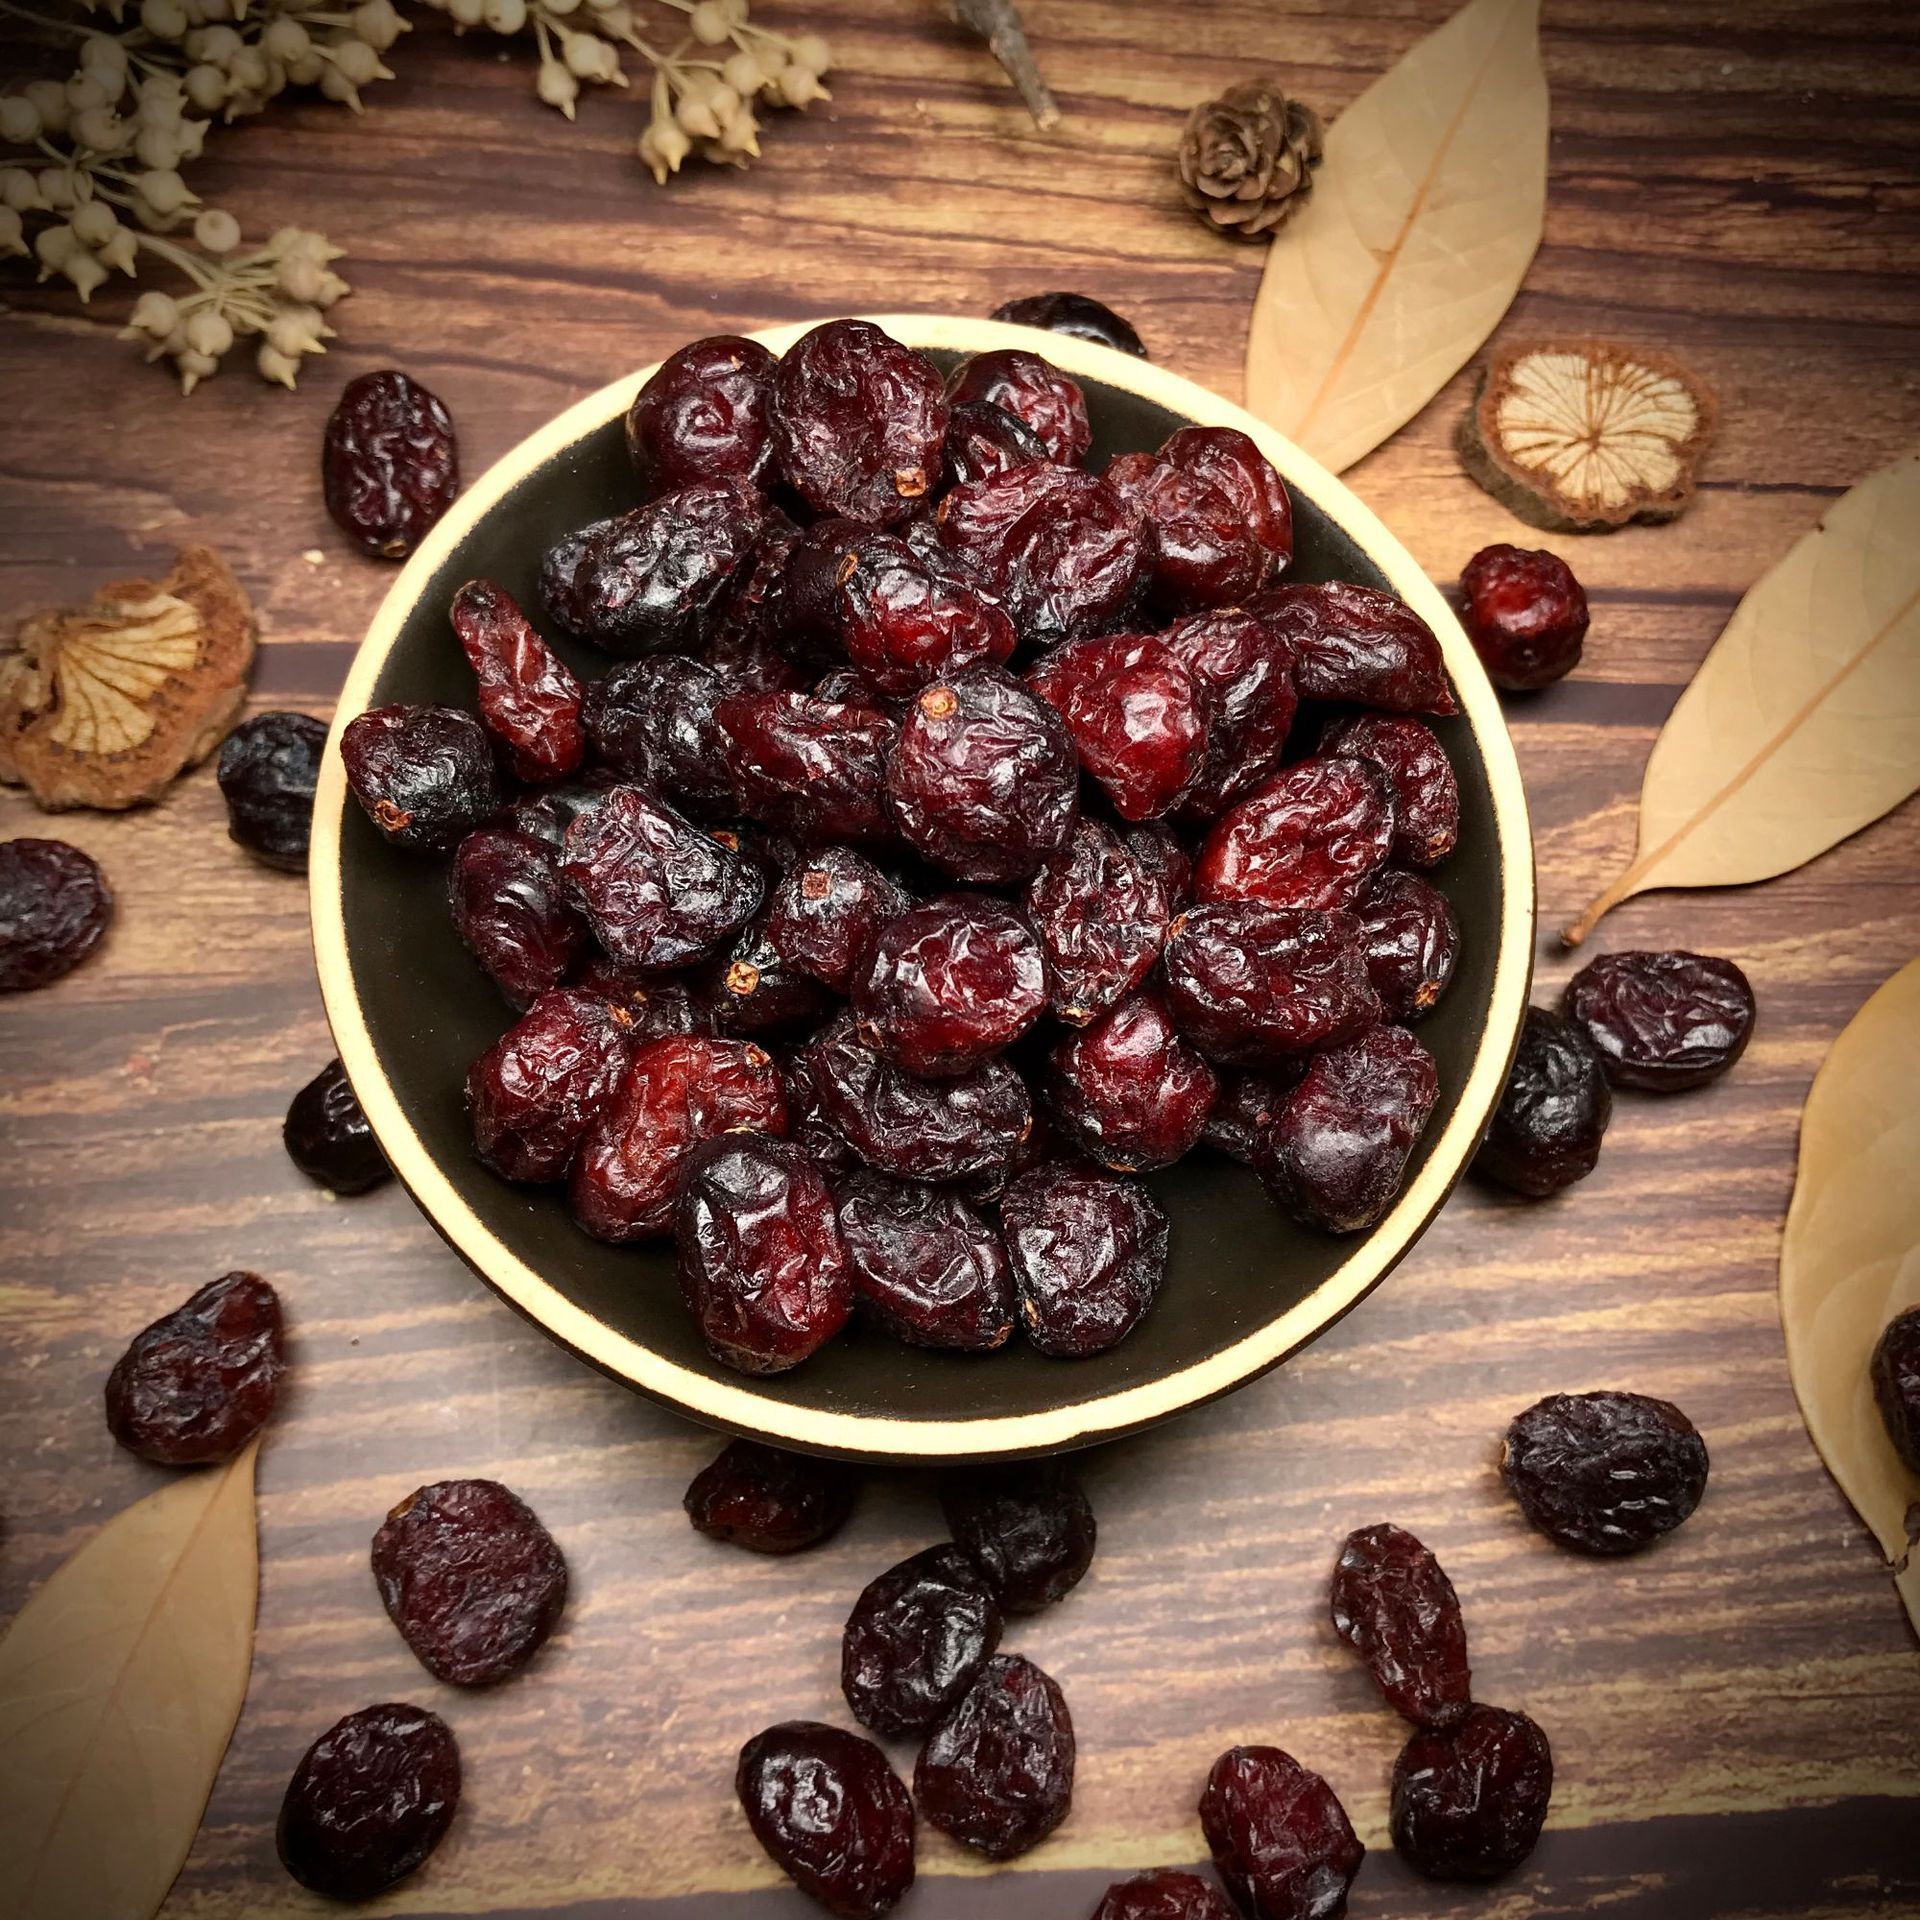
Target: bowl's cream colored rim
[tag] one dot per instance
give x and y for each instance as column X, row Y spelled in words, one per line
column 758, row 1408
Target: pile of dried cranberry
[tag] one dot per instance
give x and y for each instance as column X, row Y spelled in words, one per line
column 955, row 828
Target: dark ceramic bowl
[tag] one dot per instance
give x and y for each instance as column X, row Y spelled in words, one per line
column 1246, row 1287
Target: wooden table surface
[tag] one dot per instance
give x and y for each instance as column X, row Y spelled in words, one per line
column 1733, row 1716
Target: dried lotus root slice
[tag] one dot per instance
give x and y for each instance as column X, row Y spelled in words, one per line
column 1586, row 435
column 102, row 705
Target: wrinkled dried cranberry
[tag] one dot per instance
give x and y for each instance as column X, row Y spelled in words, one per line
column 828, row 910
column 1027, row 1525
column 751, row 662
column 1412, row 941
column 704, row 415
column 529, row 702
column 1200, row 550
column 1349, row 642
column 389, row 465
column 652, row 721
column 1308, row 838
column 534, row 1093
column 369, row 1801
column 1244, row 1111
column 547, row 813
column 982, row 779
column 915, row 1639
column 762, row 1266
column 1243, row 675
column 1228, row 460
column 327, row 1136
column 1662, row 1021
column 654, row 1007
column 1156, row 849
column 1469, row 1799
column 810, row 767
column 425, row 775
column 807, row 1124
column 1426, row 796
column 903, row 625
column 1336, row 1154
column 269, row 766
column 983, row 440
column 1525, row 614
column 1395, row 1607
column 1078, row 315
column 767, row 1499
column 199, row 1383
column 997, row 1773
column 1279, row 1836
column 926, row 1265
column 1895, row 1371
column 1089, row 1253
column 832, row 1814
column 1134, row 715
column 1547, row 1129
column 1129, row 1091
column 751, row 990
column 1604, row 1472
column 471, row 1578
column 1101, row 912
column 54, row 906
column 513, row 912
column 1034, row 391
column 1166, row 1894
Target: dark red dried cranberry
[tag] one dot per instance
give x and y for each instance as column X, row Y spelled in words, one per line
column 534, row 1093
column 997, row 1773
column 767, row 1499
column 1547, row 1129
column 369, row 1801
column 762, row 1266
column 858, row 422
column 828, row 910
column 548, row 812
column 327, row 1136
column 528, row 700
column 926, row 1265
column 704, row 415
column 652, row 721
column 1395, row 1607
column 389, row 465
column 810, row 767
column 1604, row 1472
column 1027, row 1525
column 198, row 1384
column 1076, row 314
column 1895, row 1372
column 903, row 625
column 1101, row 912
column 1244, row 1111
column 1165, row 1894
column 425, row 775
column 1129, row 1091
column 832, row 1815
column 1229, row 461
column 269, row 766
column 1356, row 643
column 654, row 1007
column 1279, row 1836
column 677, row 1092
column 1034, row 391
column 915, row 1639
column 54, row 906
column 1089, row 1253
column 983, row 440
column 1662, row 1021
column 982, row 779
column 1426, row 796
column 1244, row 678
column 807, row 1124
column 1412, row 941
column 1469, row 1799
column 1525, row 614
column 1336, row 1154
column 471, row 1578
column 513, row 912
column 1156, row 849
column 1308, row 838
column 751, row 990
column 1200, row 550
column 1073, row 563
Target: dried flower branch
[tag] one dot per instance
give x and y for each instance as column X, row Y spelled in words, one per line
column 997, row 22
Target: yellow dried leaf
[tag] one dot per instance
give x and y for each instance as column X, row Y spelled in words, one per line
column 1422, row 221
column 1803, row 723
column 120, row 1682
column 1850, row 1259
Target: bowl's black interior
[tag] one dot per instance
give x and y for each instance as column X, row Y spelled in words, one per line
column 1236, row 1262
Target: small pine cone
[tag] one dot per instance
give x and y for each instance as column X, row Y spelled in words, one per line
column 1246, row 159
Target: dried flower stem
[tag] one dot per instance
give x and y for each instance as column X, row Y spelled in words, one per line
column 998, row 23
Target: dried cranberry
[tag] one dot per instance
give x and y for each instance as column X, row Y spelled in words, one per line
column 1076, row 314
column 1895, row 1371
column 425, row 775
column 1089, row 1254
column 751, row 662
column 1308, row 838
column 654, row 1007
column 1395, row 1607
column 652, row 721
column 1547, row 1129
column 751, row 989
column 1228, row 460
column 1200, row 550
column 199, row 1383
column 471, row 1578
column 54, row 906
column 811, row 767
column 269, row 766
column 767, row 1499
column 915, row 1639
column 983, row 440
column 926, row 1265
column 1469, row 1799
column 1101, row 912
column 807, row 1124
column 1426, row 796
column 1605, row 1473
column 762, row 1266
column 513, row 913
column 1034, row 391
column 903, row 625
column 1155, row 848
column 1662, row 1021
column 1525, row 614
column 1279, row 1836
column 832, row 1814
column 327, row 1136
column 1336, row 1154
column 1244, row 1111
column 528, row 700
column 827, row 912
column 704, row 415
column 369, row 1801
column 997, row 1773
column 982, row 779
column 1129, row 1091
column 547, row 813
column 389, row 465
column 1356, row 643
column 1166, row 1894
column 534, row 1093
column 1243, row 675
column 1412, row 941
column 1027, row 1525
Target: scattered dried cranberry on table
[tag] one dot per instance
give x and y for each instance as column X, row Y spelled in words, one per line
column 1525, row 614
column 1394, row 1606
column 54, row 906
column 390, row 464
column 916, row 1637
column 327, row 1136
column 1470, row 1797
column 1662, row 1021
column 997, row 1773
column 1895, row 1371
column 269, row 767
column 1279, row 1836
column 768, row 1500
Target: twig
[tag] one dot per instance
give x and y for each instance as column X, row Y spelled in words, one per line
column 997, row 22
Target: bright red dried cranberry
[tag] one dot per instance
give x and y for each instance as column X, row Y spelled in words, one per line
column 915, row 1639
column 269, row 767
column 1895, row 1371
column 1089, row 1254
column 1243, row 675
column 652, row 721
column 704, row 415
column 1200, row 550
column 529, row 702
column 513, row 912
column 1525, row 614
column 1412, row 941
column 1553, row 1115
column 327, row 1137
column 1228, row 460
column 752, row 990
column 1308, row 838
column 903, row 625
column 1244, row 1111
column 198, row 1384
column 471, row 1578
column 811, row 767
column 1077, row 315
column 1279, row 1836
column 1027, row 1525
column 983, row 440
column 54, row 906
column 1662, row 1021
column 1129, row 1091
column 1167, row 1894
column 767, row 1499
column 1605, row 1473
column 1395, row 1607
column 1426, row 796
column 1349, row 642
column 389, row 465
column 1034, row 391
column 926, row 1265
column 1469, row 1799
column 997, row 1773
column 534, row 1093
column 425, row 775
column 828, row 910
column 1101, row 912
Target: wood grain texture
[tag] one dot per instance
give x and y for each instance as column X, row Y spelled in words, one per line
column 1737, row 181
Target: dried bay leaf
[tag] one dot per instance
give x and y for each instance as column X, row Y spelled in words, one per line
column 120, row 1682
column 1850, row 1258
column 1422, row 222
column 1803, row 723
